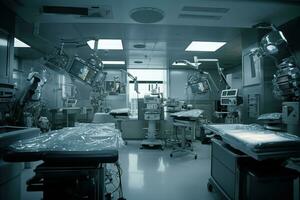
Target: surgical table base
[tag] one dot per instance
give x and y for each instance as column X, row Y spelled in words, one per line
column 186, row 144
column 69, row 181
column 67, row 174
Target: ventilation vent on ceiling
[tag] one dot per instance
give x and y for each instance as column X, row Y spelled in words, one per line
column 206, row 17
column 63, row 10
column 146, row 15
column 103, row 12
column 205, row 9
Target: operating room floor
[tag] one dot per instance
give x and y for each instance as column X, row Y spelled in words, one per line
column 152, row 174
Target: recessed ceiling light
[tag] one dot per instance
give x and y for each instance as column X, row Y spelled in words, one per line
column 106, row 44
column 113, row 62
column 19, row 43
column 139, row 46
column 204, row 46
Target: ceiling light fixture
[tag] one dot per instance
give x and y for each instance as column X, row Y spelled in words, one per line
column 208, row 59
column 106, row 44
column 113, row 62
column 19, row 43
column 138, row 62
column 204, row 46
column 139, row 46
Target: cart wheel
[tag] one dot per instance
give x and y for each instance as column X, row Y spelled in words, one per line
column 196, row 157
column 209, row 187
column 171, row 155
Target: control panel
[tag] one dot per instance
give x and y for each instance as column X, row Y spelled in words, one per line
column 230, row 97
column 7, row 92
column 148, row 99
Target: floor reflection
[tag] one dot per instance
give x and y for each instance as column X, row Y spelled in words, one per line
column 161, row 165
column 135, row 176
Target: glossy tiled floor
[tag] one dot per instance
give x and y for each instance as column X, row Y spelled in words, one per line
column 151, row 174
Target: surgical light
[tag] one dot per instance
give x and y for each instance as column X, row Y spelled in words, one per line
column 273, row 41
column 272, row 49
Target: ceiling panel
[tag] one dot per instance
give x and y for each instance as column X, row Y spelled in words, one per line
column 164, row 41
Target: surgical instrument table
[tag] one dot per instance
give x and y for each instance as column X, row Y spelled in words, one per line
column 187, row 120
column 74, row 161
column 247, row 162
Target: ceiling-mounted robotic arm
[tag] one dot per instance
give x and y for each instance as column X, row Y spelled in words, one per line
column 197, row 63
column 27, row 93
column 134, row 78
column 188, row 63
column 286, row 85
column 221, row 74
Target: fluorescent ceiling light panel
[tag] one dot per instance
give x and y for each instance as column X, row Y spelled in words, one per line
column 107, row 44
column 113, row 62
column 208, row 59
column 110, row 44
column 91, row 43
column 204, row 46
column 19, row 43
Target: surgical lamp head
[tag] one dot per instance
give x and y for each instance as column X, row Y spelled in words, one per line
column 273, row 42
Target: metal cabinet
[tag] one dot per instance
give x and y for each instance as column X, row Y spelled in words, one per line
column 225, row 174
column 237, row 176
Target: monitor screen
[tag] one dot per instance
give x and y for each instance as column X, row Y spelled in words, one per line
column 83, row 71
column 199, row 88
column 231, row 93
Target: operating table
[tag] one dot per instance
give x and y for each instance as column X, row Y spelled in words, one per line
column 74, row 161
column 187, row 120
column 248, row 162
column 257, row 142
